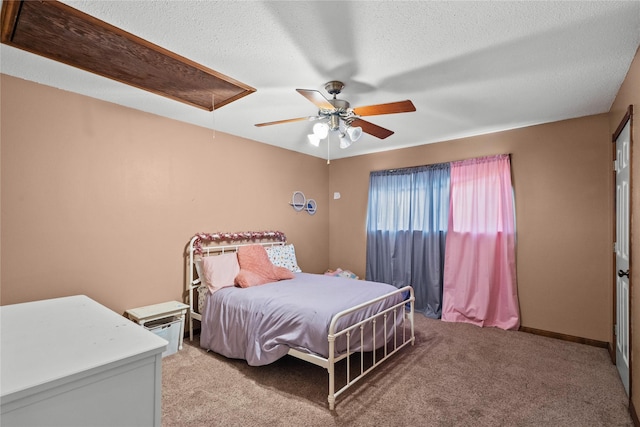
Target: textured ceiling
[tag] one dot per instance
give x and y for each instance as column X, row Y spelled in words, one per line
column 469, row 67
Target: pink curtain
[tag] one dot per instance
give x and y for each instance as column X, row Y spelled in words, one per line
column 479, row 266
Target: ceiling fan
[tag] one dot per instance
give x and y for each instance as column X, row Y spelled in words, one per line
column 337, row 115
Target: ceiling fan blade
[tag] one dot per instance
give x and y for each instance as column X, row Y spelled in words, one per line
column 371, row 129
column 317, row 98
column 277, row 122
column 390, row 108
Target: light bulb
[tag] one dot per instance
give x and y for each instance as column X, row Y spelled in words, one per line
column 321, row 130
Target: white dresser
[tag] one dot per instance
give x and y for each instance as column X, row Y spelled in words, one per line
column 73, row 362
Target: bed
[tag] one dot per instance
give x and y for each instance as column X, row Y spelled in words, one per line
column 314, row 317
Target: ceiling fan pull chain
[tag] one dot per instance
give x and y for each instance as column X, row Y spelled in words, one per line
column 328, row 150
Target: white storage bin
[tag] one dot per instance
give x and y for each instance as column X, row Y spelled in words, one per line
column 168, row 329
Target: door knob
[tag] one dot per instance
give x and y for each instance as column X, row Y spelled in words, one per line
column 623, row 273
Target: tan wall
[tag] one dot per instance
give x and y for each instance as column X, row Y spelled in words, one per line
column 629, row 94
column 102, row 200
column 562, row 181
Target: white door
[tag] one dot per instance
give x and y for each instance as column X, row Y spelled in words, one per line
column 622, row 166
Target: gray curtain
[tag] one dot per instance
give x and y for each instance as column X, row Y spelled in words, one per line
column 407, row 220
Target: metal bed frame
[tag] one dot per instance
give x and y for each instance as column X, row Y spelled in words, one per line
column 400, row 336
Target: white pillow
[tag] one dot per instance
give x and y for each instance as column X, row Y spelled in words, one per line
column 284, row 256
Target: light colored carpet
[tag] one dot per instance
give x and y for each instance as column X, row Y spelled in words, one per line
column 456, row 375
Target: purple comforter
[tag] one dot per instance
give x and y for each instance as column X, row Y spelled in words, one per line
column 260, row 324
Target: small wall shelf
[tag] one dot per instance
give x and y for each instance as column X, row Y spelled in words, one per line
column 300, row 203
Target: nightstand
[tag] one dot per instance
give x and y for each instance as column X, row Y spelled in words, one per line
column 150, row 313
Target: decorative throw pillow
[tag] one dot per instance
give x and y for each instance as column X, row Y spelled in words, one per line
column 256, row 269
column 248, row 278
column 220, row 271
column 284, row 256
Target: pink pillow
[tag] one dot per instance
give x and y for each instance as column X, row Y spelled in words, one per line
column 256, row 269
column 220, row 271
column 247, row 278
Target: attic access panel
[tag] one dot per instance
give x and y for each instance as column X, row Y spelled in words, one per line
column 59, row 32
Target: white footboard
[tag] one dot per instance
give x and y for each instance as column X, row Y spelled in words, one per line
column 400, row 335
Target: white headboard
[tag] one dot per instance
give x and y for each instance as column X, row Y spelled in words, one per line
column 210, row 244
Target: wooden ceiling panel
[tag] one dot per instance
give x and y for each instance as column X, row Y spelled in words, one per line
column 62, row 33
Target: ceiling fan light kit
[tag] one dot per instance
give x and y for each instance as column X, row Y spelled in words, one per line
column 347, row 133
column 336, row 115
